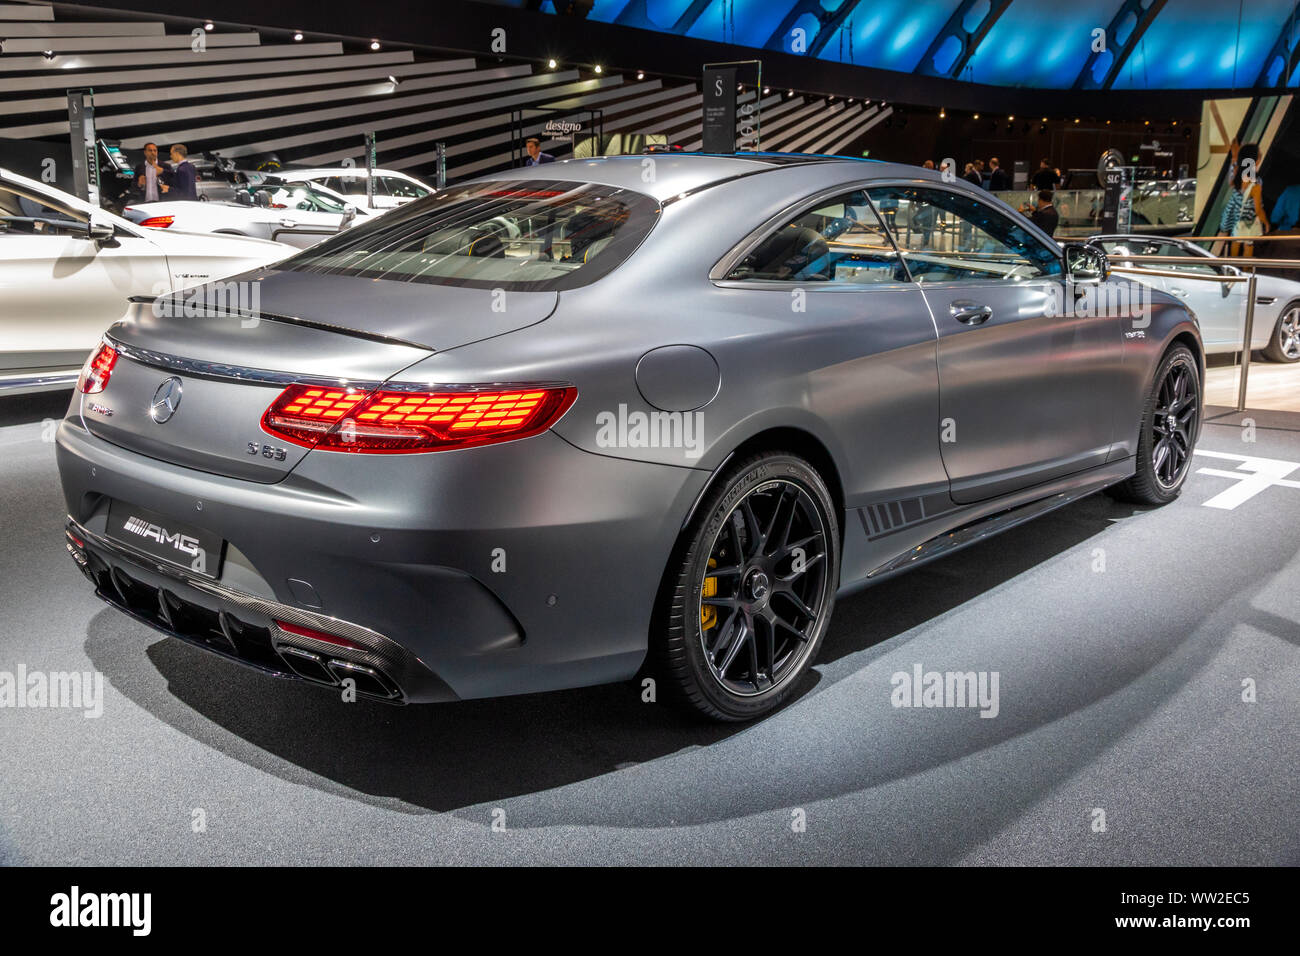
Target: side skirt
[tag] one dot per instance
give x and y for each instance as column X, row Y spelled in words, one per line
column 998, row 516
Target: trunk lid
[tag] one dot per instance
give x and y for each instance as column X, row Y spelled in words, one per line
column 227, row 371
column 431, row 315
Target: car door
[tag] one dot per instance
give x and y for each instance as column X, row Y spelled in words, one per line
column 60, row 289
column 1028, row 390
column 829, row 282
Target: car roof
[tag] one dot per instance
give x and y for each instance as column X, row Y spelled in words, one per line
column 677, row 173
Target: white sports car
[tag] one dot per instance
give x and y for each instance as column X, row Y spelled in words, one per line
column 391, row 187
column 297, row 213
column 67, row 269
column 1220, row 307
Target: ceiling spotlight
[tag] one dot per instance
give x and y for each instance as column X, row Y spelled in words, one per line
column 599, row 68
column 1076, row 119
column 943, row 114
column 208, row 25
column 976, row 116
column 297, row 37
column 852, row 101
column 550, row 64
column 640, row 74
column 1011, row 119
column 374, row 44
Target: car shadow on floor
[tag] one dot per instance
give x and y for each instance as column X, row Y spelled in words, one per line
column 448, row 756
column 26, row 409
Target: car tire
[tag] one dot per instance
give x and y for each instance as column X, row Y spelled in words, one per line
column 1284, row 345
column 769, row 603
column 1175, row 393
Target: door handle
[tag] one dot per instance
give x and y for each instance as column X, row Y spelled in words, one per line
column 970, row 313
column 1177, row 291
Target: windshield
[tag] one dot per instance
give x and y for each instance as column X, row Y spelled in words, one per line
column 527, row 235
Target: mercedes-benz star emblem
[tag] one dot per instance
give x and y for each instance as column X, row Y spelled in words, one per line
column 166, row 400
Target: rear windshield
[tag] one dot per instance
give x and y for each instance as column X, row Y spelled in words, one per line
column 528, row 235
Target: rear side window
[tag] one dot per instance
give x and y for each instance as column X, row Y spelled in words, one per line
column 526, row 235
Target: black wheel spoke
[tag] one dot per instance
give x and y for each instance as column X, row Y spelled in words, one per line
column 774, row 540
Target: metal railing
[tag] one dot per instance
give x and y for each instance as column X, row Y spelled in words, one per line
column 1237, row 262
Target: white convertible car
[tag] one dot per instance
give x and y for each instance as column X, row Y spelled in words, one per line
column 1220, row 307
column 67, row 269
column 392, row 188
column 297, row 213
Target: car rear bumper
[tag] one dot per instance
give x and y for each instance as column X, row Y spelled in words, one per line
column 512, row 568
column 263, row 634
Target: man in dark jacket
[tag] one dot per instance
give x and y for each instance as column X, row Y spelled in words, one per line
column 535, row 155
column 152, row 179
column 1046, row 177
column 998, row 178
column 1045, row 216
column 184, row 176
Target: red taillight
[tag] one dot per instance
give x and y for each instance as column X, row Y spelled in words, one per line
column 387, row 422
column 97, row 370
column 158, row 222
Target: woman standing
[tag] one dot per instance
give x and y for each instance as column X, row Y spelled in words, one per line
column 1243, row 214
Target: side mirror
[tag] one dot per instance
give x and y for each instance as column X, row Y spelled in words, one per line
column 99, row 231
column 349, row 215
column 1085, row 263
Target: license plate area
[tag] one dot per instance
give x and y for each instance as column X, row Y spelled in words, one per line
column 165, row 539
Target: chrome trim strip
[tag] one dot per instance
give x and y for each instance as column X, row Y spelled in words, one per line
column 51, row 381
column 197, row 368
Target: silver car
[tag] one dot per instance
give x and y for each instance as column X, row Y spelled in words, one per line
column 1220, row 306
column 655, row 426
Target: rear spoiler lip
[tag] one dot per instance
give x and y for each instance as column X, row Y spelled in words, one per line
column 305, row 323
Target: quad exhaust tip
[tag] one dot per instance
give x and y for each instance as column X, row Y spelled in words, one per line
column 321, row 670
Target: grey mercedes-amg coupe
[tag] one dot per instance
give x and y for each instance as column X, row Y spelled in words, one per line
column 647, row 414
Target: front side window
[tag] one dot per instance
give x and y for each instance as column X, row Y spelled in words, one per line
column 950, row 237
column 840, row 241
column 24, row 213
column 402, row 188
column 527, row 235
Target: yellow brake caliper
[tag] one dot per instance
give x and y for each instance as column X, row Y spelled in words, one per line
column 709, row 613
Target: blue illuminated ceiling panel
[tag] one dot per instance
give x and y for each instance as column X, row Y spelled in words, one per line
column 889, row 34
column 1198, row 43
column 1042, row 44
column 1029, row 46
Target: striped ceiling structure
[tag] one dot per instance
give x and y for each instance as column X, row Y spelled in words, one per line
column 309, row 101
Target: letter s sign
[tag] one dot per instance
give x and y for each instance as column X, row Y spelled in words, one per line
column 717, row 86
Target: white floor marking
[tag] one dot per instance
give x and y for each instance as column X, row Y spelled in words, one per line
column 1253, row 475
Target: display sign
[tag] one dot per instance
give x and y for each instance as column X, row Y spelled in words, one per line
column 85, row 159
column 719, row 109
